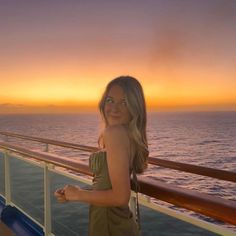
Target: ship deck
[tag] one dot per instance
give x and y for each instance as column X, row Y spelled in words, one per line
column 4, row 230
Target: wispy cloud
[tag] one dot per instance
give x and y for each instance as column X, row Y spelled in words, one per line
column 9, row 108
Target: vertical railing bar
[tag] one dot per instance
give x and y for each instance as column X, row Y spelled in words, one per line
column 46, row 147
column 7, row 178
column 47, row 202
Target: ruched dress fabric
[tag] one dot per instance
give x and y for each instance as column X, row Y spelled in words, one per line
column 108, row 221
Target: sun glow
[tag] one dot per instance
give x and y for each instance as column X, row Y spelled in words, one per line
column 48, row 65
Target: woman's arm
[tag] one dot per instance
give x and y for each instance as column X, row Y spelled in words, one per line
column 117, row 147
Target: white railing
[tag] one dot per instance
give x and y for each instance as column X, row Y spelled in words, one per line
column 47, row 226
column 36, row 160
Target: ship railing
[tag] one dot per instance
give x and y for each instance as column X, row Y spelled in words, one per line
column 215, row 207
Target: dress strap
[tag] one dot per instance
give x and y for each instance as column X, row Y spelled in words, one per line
column 136, row 188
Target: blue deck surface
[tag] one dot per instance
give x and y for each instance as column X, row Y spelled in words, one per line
column 20, row 224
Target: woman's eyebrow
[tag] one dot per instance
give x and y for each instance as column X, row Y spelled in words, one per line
column 112, row 97
column 119, row 99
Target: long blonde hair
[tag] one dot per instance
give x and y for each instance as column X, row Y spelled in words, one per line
column 137, row 126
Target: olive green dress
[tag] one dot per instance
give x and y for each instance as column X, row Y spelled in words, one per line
column 108, row 221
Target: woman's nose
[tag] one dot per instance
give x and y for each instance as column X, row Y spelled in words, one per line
column 116, row 106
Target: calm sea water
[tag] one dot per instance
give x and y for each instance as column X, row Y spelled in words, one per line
column 200, row 138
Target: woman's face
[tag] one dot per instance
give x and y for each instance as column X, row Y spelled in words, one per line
column 116, row 111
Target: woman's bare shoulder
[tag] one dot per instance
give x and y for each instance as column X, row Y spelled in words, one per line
column 117, row 142
column 116, row 130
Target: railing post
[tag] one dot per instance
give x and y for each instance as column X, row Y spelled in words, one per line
column 46, row 147
column 7, row 178
column 47, row 202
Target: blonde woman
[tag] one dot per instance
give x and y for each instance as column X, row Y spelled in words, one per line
column 124, row 151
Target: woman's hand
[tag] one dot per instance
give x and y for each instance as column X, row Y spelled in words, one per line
column 68, row 193
column 60, row 195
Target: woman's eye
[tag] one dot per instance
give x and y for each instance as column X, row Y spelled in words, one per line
column 124, row 103
column 108, row 100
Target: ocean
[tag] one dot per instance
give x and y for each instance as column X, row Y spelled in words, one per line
column 199, row 138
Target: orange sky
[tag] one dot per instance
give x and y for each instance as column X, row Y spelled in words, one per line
column 59, row 57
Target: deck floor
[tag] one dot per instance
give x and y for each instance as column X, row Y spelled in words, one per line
column 4, row 230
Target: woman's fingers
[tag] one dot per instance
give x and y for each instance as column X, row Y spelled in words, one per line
column 61, row 199
column 60, row 195
column 59, row 192
column 67, row 193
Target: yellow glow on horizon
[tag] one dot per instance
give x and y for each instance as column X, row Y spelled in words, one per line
column 62, row 62
column 82, row 90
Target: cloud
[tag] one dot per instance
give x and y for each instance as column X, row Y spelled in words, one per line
column 9, row 108
column 169, row 48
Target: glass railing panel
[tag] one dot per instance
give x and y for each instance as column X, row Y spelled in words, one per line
column 2, row 174
column 27, row 188
column 69, row 218
column 155, row 223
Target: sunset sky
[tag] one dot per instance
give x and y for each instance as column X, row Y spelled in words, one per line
column 58, row 55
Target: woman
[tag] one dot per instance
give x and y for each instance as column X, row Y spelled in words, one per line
column 123, row 151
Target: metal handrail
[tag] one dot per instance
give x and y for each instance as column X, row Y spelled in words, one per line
column 194, row 169
column 189, row 168
column 71, row 164
column 215, row 207
column 51, row 141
